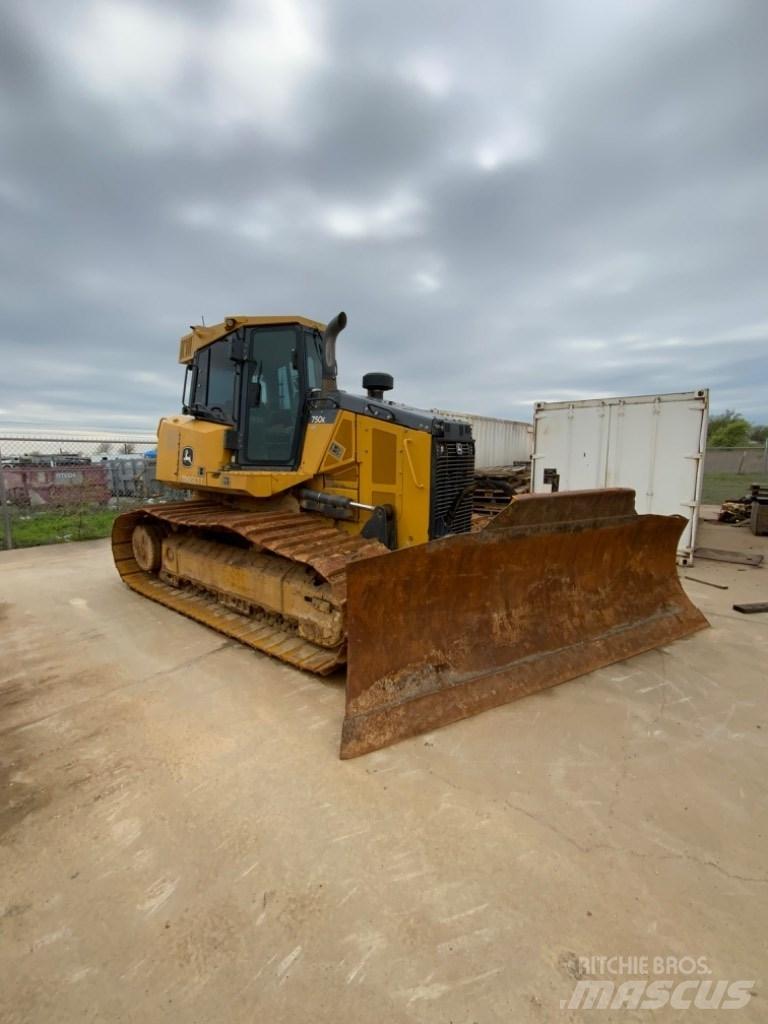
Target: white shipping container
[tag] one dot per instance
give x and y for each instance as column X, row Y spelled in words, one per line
column 497, row 442
column 652, row 443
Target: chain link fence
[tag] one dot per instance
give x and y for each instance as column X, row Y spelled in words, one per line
column 64, row 486
column 744, row 460
column 70, row 485
column 729, row 472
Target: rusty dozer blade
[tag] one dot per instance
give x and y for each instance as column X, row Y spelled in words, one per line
column 555, row 586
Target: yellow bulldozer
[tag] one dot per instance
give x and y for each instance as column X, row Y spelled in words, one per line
column 330, row 529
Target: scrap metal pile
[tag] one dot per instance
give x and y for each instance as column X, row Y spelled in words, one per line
column 747, row 509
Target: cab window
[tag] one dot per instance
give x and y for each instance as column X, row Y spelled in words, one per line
column 214, row 388
column 314, row 346
column 274, row 396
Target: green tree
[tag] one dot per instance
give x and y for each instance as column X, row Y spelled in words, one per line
column 728, row 430
column 759, row 433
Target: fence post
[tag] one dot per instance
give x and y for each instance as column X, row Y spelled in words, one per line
column 5, row 509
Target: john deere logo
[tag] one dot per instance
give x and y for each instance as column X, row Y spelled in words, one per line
column 187, row 457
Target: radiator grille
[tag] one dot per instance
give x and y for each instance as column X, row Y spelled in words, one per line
column 453, row 466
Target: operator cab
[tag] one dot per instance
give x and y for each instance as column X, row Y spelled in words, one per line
column 257, row 380
column 266, row 378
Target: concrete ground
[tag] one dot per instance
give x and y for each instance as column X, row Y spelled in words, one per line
column 180, row 841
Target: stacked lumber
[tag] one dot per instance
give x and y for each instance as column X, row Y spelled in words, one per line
column 495, row 485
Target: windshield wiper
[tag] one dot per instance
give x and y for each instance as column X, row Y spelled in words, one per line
column 212, row 413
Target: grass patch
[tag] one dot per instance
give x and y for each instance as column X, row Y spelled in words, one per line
column 719, row 487
column 61, row 525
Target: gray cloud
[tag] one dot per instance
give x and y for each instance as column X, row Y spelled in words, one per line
column 512, row 201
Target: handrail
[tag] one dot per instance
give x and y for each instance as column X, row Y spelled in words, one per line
column 406, row 449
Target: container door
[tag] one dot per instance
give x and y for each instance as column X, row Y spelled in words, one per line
column 573, row 440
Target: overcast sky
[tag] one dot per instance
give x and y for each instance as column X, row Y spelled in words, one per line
column 512, row 200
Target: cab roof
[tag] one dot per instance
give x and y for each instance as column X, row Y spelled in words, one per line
column 201, row 336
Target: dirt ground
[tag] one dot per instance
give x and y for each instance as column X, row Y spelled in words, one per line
column 179, row 841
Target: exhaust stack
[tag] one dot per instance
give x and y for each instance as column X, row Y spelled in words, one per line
column 331, row 333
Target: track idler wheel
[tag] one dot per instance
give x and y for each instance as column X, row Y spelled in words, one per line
column 147, row 545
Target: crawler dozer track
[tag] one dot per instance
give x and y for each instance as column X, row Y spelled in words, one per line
column 216, row 565
column 554, row 587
